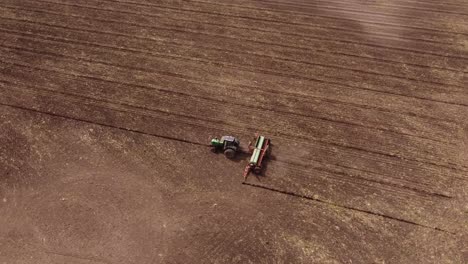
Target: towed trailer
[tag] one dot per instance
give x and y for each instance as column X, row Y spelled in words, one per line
column 259, row 148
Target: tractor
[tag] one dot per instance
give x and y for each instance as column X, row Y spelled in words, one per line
column 229, row 145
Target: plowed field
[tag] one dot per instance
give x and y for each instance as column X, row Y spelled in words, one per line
column 107, row 108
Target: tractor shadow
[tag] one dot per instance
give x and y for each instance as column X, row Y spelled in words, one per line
column 243, row 156
column 240, row 155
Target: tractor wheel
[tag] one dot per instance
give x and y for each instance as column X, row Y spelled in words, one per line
column 230, row 153
column 258, row 170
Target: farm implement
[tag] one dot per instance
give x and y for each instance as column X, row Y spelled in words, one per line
column 259, row 149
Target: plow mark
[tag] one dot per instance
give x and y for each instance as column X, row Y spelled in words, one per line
column 347, row 207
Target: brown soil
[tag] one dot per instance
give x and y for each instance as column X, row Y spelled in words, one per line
column 107, row 108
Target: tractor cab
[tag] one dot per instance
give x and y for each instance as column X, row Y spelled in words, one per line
column 227, row 144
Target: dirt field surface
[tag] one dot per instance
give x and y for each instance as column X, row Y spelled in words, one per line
column 107, row 108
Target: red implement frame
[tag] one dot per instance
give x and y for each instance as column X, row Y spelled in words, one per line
column 264, row 149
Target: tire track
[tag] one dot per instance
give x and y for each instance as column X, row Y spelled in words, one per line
column 242, row 90
column 382, row 4
column 428, row 2
column 349, row 179
column 282, row 32
column 421, row 184
column 362, row 225
column 77, row 256
column 185, row 77
column 347, row 207
column 246, row 132
column 357, row 32
column 299, row 96
column 437, row 4
column 184, row 30
column 119, row 107
column 188, row 95
column 276, row 44
column 100, row 124
column 292, row 23
column 113, row 126
column 218, row 101
column 287, row 75
column 293, row 138
column 284, row 59
column 317, row 8
column 358, row 187
column 355, row 148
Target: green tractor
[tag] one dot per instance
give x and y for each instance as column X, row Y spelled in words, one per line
column 229, row 145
